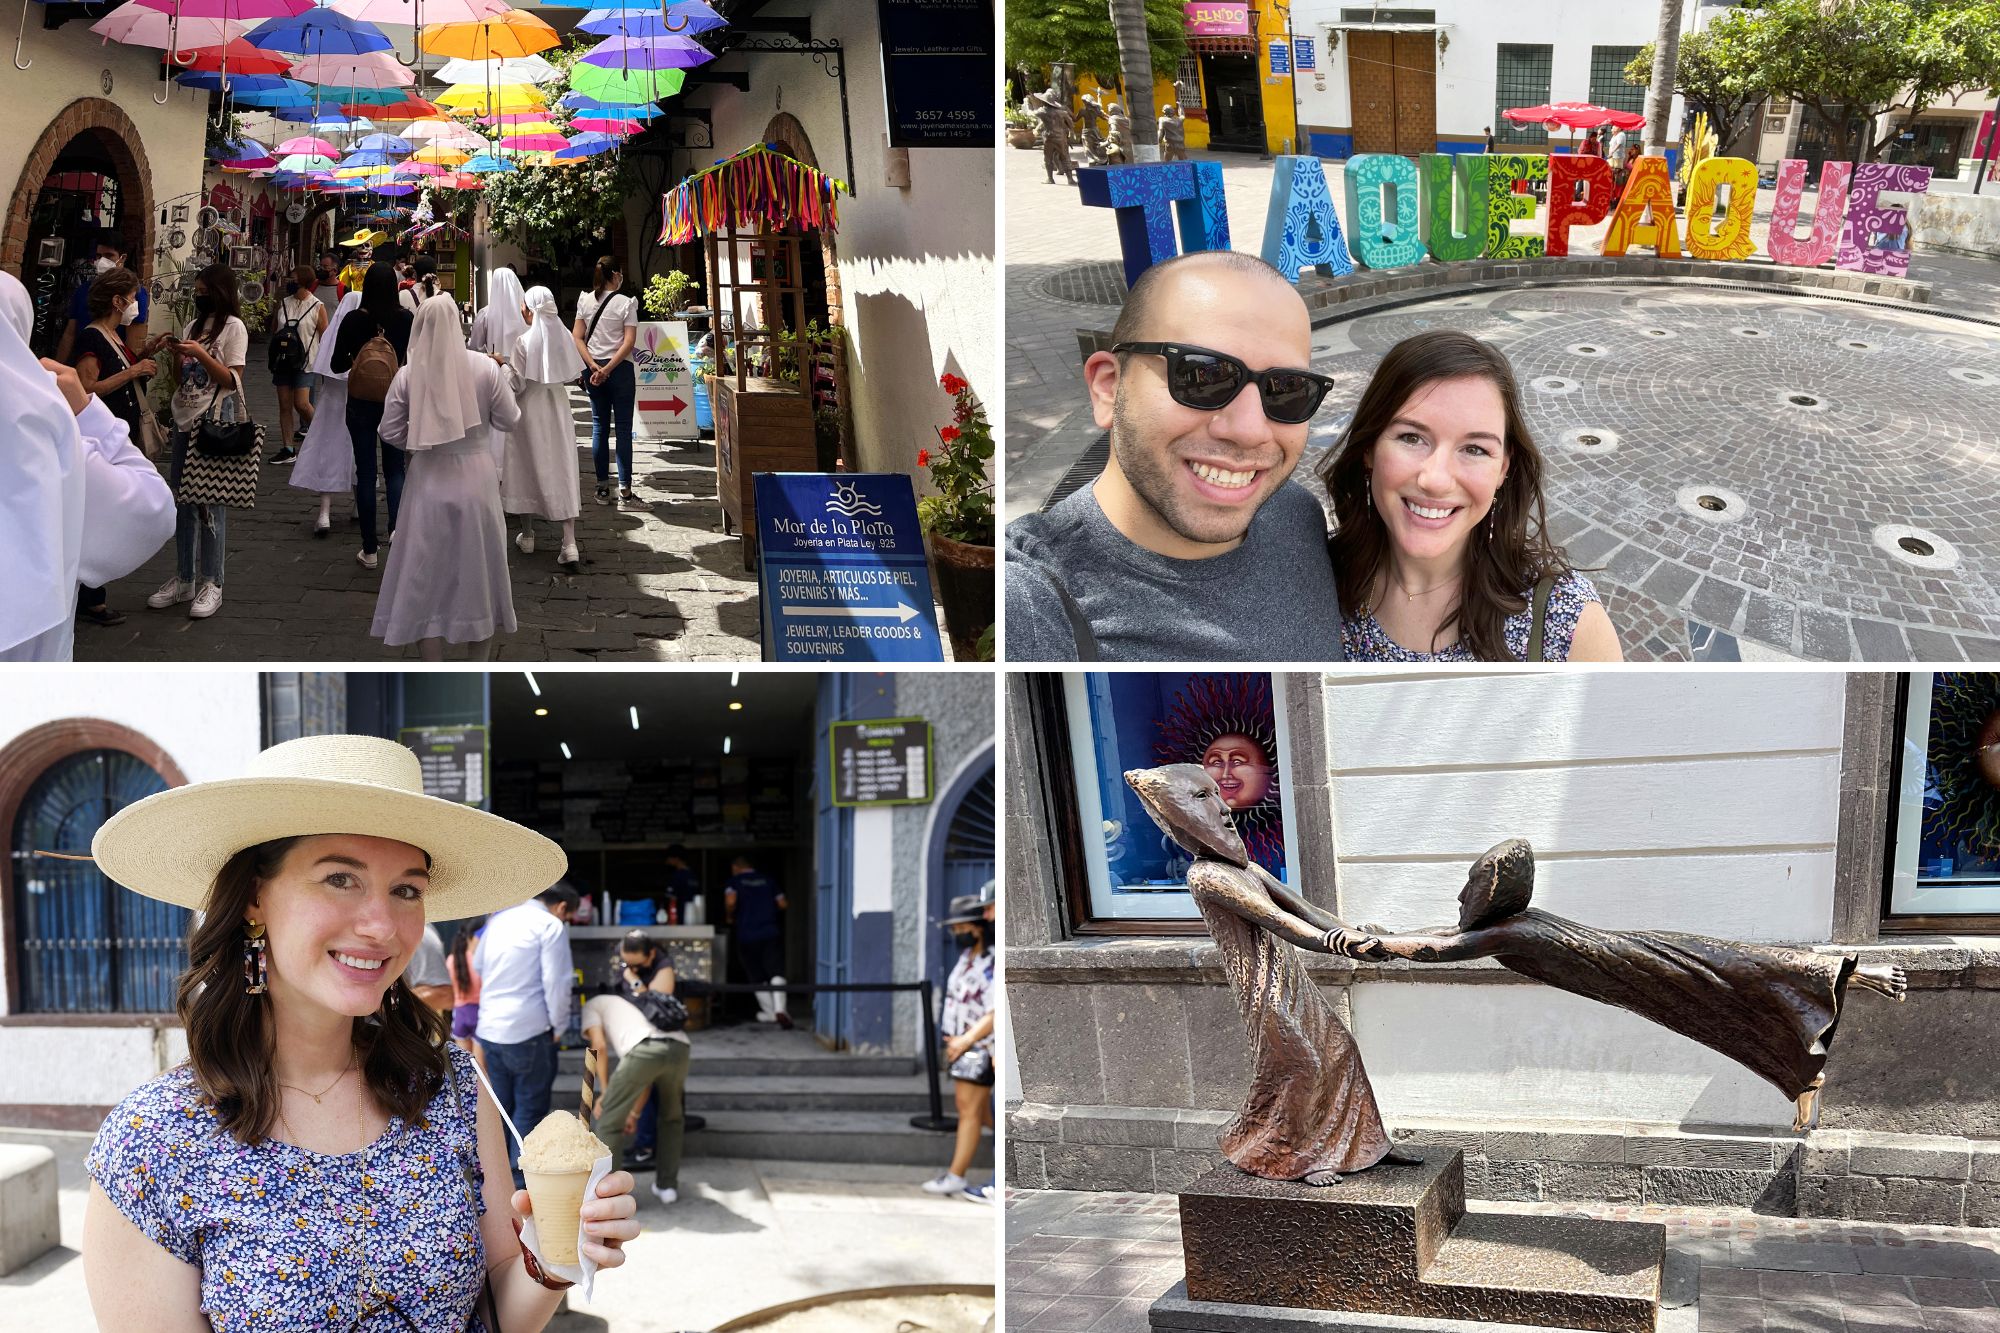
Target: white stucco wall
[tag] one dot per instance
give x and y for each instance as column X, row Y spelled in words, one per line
column 917, row 265
column 70, row 63
column 1658, row 800
column 1466, row 70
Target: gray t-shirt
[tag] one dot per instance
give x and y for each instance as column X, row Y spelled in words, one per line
column 427, row 963
column 1272, row 599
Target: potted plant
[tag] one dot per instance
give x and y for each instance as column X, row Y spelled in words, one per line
column 959, row 522
column 667, row 293
column 1021, row 128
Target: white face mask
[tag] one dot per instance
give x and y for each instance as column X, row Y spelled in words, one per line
column 131, row 312
column 105, row 264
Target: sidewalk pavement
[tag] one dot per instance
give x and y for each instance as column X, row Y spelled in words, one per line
column 1096, row 1261
column 744, row 1236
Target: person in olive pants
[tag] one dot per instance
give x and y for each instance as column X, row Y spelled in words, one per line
column 650, row 1063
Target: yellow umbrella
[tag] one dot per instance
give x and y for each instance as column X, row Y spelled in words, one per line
column 529, row 127
column 442, row 156
column 510, row 35
column 470, row 97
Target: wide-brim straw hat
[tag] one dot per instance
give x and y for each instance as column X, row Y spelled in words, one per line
column 170, row 846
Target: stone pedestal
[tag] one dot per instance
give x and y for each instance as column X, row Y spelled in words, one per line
column 1398, row 1241
column 28, row 1221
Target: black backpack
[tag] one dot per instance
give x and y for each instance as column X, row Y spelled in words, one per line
column 288, row 350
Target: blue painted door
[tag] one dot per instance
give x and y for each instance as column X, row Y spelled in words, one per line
column 967, row 866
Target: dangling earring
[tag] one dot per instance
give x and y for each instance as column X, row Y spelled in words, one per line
column 256, row 966
column 1368, row 488
column 1493, row 516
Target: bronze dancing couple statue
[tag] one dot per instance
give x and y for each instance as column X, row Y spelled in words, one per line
column 1310, row 1114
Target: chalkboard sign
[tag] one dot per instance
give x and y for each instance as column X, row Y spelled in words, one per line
column 937, row 72
column 883, row 761
column 454, row 761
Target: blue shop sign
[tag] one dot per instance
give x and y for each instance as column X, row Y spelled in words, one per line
column 841, row 569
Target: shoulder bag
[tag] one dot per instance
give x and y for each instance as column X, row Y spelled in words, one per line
column 150, row 438
column 228, row 434
column 1538, row 624
column 491, row 1317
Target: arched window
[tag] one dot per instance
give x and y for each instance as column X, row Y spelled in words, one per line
column 84, row 944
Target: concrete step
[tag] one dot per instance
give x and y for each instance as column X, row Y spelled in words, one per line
column 785, row 1066
column 909, row 1094
column 1504, row 1261
column 877, row 1137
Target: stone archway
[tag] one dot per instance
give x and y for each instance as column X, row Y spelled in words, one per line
column 116, row 134
column 792, row 140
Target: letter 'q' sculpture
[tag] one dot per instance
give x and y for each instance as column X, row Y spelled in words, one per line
column 1310, row 1114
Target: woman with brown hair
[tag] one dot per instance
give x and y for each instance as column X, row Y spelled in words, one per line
column 295, row 327
column 106, row 368
column 324, row 1157
column 1441, row 546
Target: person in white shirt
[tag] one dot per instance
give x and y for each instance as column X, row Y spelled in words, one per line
column 447, row 580
column 525, row 972
column 78, row 503
column 652, row 1062
column 607, row 324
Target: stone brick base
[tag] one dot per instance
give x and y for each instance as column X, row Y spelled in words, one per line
column 1836, row 1174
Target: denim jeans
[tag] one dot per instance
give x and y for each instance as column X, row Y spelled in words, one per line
column 364, row 425
column 523, row 1073
column 611, row 406
column 200, row 531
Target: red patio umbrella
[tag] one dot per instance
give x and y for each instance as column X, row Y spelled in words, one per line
column 1574, row 116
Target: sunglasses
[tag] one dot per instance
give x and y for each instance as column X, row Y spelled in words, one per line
column 1209, row 381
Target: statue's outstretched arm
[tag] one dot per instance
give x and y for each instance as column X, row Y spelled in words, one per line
column 1429, row 948
column 1232, row 894
column 1286, row 898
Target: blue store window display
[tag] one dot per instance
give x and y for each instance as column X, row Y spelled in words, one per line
column 1947, row 845
column 1229, row 723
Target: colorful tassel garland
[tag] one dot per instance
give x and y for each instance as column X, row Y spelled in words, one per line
column 758, row 188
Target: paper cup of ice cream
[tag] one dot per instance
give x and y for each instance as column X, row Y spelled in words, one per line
column 560, row 1160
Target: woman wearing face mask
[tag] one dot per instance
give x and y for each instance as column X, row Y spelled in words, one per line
column 106, row 367
column 539, row 475
column 1441, row 547
column 607, row 324
column 967, row 1027
column 213, row 348
column 324, row 1158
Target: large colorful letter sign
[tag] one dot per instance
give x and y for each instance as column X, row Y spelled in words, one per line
column 1379, row 242
column 1647, row 187
column 1148, row 197
column 1565, row 209
column 1301, row 230
column 1828, row 214
column 1867, row 218
column 1454, row 198
column 1503, row 205
column 1731, row 239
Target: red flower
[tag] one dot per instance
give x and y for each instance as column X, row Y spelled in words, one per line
column 952, row 383
column 948, row 433
column 923, row 458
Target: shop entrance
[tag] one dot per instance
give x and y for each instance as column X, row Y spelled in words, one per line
column 82, row 194
column 1235, row 102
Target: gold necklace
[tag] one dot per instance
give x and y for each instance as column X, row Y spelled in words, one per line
column 328, row 1088
column 369, row 1297
column 1409, row 596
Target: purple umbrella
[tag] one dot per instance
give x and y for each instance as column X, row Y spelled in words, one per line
column 649, row 53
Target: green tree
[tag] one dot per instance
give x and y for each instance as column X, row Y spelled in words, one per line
column 559, row 206
column 1041, row 32
column 1714, row 74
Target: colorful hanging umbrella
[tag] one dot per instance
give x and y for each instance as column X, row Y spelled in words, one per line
column 306, row 162
column 451, row 136
column 371, row 69
column 637, row 53
column 600, row 125
column 1574, row 116
column 363, row 96
column 531, row 117
column 307, row 143
column 414, row 168
column 514, row 33
column 443, row 155
column 586, row 145
column 425, row 11
column 508, row 97
column 384, row 143
column 243, row 11
column 485, row 163
column 410, row 105
column 629, row 110
column 524, row 69
column 646, row 20
column 625, row 85
column 235, row 82
column 293, row 93
column 320, row 32
column 534, row 142
column 135, row 25
column 372, row 161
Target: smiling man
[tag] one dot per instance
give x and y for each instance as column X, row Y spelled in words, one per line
column 1194, row 544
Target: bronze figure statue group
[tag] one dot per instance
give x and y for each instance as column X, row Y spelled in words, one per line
column 1310, row 1114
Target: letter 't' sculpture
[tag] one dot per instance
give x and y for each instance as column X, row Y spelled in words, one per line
column 1771, row 1009
column 1310, row 1114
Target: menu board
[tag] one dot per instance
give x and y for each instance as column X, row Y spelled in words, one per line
column 883, row 761
column 453, row 759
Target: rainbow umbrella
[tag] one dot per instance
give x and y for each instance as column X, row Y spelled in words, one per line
column 625, row 85
column 655, row 53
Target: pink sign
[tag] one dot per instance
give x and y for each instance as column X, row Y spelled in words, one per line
column 1217, row 18
column 1979, row 148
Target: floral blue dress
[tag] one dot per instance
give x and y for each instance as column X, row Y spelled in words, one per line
column 1365, row 640
column 259, row 1224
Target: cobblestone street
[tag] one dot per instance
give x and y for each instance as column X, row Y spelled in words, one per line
column 1079, row 1261
column 659, row 584
column 1751, row 475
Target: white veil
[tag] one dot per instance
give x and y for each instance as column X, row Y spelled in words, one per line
column 323, row 358
column 444, row 398
column 41, row 485
column 547, row 351
column 500, row 324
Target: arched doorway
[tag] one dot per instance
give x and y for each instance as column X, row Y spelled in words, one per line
column 820, row 257
column 960, row 854
column 88, row 172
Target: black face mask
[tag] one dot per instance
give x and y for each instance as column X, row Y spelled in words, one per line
column 204, row 303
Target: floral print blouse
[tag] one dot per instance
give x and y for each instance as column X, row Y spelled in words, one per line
column 261, row 1226
column 968, row 995
column 1365, row 640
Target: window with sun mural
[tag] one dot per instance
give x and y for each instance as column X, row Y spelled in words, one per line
column 1232, row 724
column 1946, row 860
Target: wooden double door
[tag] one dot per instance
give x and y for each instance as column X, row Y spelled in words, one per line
column 1392, row 83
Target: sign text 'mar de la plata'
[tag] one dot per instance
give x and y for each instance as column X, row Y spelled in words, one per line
column 842, row 569
column 1456, row 207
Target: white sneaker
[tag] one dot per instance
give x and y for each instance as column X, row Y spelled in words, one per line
column 570, row 557
column 525, row 543
column 206, row 602
column 365, row 560
column 173, row 590
column 946, row 1183
column 665, row 1195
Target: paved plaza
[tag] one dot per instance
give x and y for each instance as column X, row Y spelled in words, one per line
column 658, row 584
column 1078, row 1261
column 1748, row 475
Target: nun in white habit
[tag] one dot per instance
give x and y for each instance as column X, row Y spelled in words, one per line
column 539, row 475
column 495, row 328
column 326, row 456
column 446, row 581
column 77, row 502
